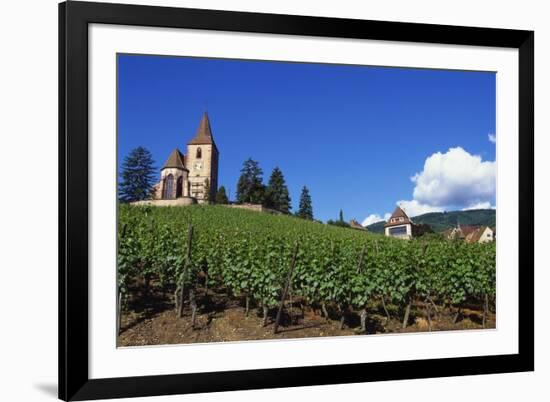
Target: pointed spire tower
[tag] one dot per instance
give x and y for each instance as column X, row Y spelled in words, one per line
column 202, row 162
column 203, row 136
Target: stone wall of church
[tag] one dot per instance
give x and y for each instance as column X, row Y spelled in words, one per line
column 200, row 169
column 173, row 171
column 167, row 203
column 177, row 173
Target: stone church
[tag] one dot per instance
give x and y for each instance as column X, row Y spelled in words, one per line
column 192, row 177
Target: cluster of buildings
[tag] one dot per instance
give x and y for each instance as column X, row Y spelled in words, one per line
column 401, row 226
column 471, row 234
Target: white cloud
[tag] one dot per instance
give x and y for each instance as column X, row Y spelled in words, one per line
column 414, row 208
column 373, row 218
column 455, row 179
column 479, row 205
column 493, row 138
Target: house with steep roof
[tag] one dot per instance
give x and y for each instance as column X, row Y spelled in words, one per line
column 482, row 234
column 356, row 225
column 470, row 233
column 195, row 175
column 399, row 225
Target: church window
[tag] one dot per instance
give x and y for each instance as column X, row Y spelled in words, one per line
column 168, row 187
column 179, row 187
column 199, row 153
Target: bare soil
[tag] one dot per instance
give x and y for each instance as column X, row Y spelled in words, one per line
column 153, row 320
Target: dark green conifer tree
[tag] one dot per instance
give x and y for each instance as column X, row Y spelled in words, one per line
column 221, row 196
column 305, row 210
column 137, row 176
column 250, row 188
column 276, row 195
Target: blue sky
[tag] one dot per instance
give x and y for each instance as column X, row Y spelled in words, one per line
column 361, row 138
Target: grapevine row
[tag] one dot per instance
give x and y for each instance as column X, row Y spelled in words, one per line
column 249, row 253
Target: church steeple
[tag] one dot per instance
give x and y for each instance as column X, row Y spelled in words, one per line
column 201, row 161
column 203, row 135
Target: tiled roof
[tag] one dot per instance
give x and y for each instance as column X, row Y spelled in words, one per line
column 175, row 160
column 475, row 236
column 204, row 132
column 398, row 213
column 468, row 229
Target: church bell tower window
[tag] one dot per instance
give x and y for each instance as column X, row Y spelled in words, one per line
column 199, row 153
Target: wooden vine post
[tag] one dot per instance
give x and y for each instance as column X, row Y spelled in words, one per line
column 410, row 297
column 186, row 268
column 361, row 257
column 428, row 309
column 193, row 305
column 485, row 310
column 359, row 271
column 407, row 312
column 147, row 276
column 457, row 315
column 119, row 312
column 119, row 293
column 285, row 290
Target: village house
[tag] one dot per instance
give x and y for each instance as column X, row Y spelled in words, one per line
column 401, row 226
column 356, row 225
column 192, row 177
column 470, row 233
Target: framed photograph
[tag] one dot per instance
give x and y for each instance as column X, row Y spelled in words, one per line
column 257, row 200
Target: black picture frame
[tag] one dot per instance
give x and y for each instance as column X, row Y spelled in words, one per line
column 74, row 381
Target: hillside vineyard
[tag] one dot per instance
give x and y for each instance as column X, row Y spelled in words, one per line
column 249, row 255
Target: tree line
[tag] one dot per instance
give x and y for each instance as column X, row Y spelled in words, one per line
column 138, row 177
column 274, row 195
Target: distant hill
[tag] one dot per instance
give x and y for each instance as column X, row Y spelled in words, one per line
column 440, row 221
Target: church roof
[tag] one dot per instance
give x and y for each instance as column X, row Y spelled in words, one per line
column 204, row 133
column 175, row 160
column 398, row 213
